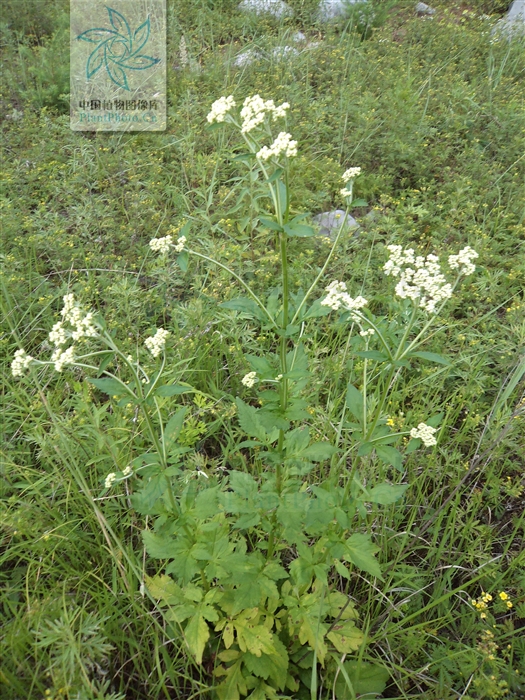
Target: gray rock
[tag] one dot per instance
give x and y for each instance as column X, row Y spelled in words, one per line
column 330, row 222
column 280, row 52
column 298, row 37
column 245, row 58
column 423, row 9
column 514, row 22
column 332, row 9
column 277, row 8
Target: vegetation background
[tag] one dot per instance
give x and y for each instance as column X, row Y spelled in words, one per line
column 433, row 111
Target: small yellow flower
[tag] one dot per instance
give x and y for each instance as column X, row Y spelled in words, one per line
column 503, row 595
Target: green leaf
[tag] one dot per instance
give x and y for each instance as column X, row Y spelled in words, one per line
column 316, row 310
column 182, row 260
column 249, row 420
column 359, row 203
column 243, row 484
column 355, row 402
column 391, row 456
column 372, row 355
column 158, row 546
column 162, row 587
column 105, row 361
column 172, row 390
column 298, row 230
column 319, row 451
column 384, row 494
column 276, row 173
column 368, row 680
column 346, row 637
column 261, row 365
column 109, row 386
column 432, row 357
column 365, row 449
column 174, row 425
column 197, row 634
column 271, row 224
column 361, row 551
column 245, row 305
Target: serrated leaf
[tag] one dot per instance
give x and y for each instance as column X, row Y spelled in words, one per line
column 249, row 420
column 109, row 386
column 346, row 637
column 162, row 587
column 432, row 357
column 157, row 546
column 391, row 456
column 197, row 634
column 341, row 569
column 385, row 494
column 174, row 425
column 355, row 402
column 243, row 484
column 319, row 451
column 361, row 551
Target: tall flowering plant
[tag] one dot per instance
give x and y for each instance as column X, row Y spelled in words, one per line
column 250, row 557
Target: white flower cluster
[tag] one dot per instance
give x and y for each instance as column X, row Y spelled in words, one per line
column 282, row 144
column 128, row 471
column 425, row 433
column 249, row 379
column 345, row 192
column 220, row 109
column 63, row 358
column 367, row 333
column 180, row 244
column 161, row 245
column 350, row 174
column 338, row 297
column 424, row 281
column 110, row 479
column 20, row 363
column 465, row 258
column 156, row 343
column 81, row 322
column 254, row 111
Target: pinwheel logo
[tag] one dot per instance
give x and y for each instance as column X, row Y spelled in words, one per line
column 118, row 49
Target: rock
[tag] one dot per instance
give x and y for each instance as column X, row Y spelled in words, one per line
column 298, row 37
column 423, row 9
column 277, row 8
column 514, row 22
column 280, row 52
column 332, row 9
column 246, row 57
column 329, row 222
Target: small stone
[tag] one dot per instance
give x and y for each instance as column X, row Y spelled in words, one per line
column 280, row 52
column 277, row 8
column 423, row 9
column 245, row 58
column 330, row 222
column 298, row 37
column 332, row 9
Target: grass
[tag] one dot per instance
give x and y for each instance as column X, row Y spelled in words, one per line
column 433, row 112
